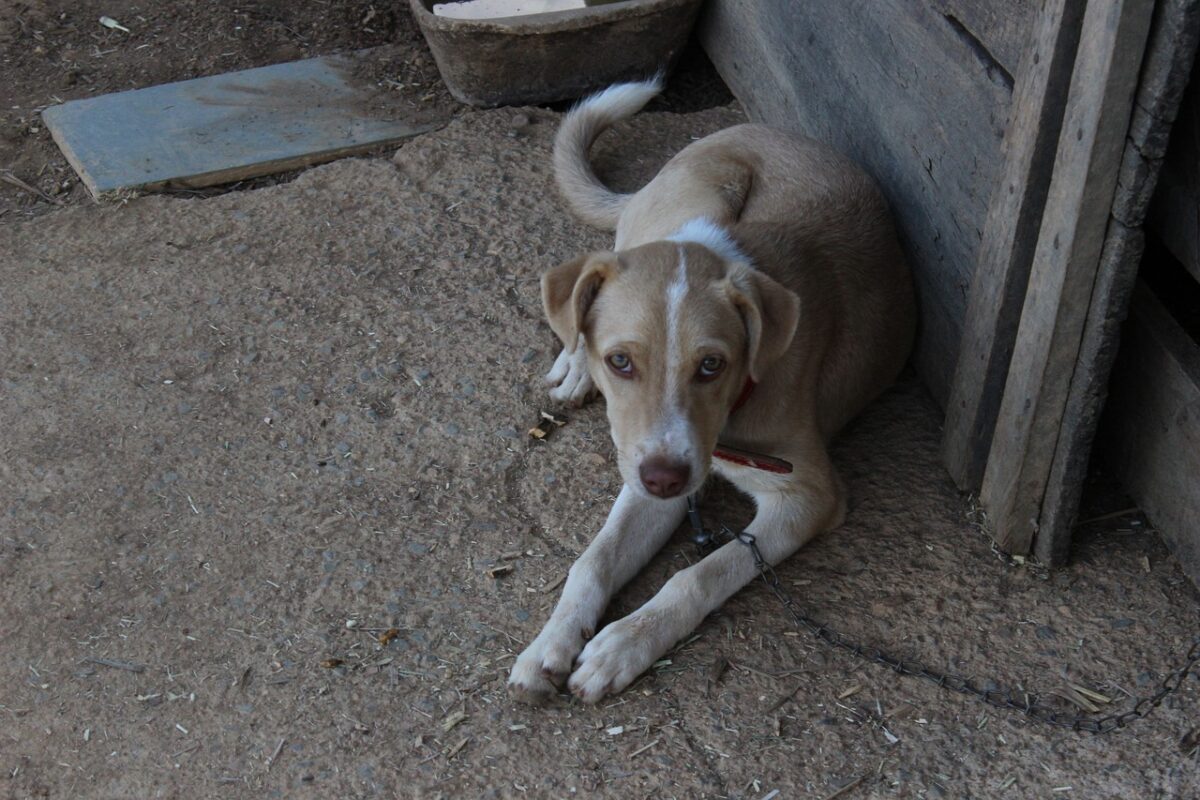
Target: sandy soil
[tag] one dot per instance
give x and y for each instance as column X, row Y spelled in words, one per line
column 246, row 435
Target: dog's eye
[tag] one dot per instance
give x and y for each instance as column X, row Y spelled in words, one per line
column 710, row 368
column 620, row 364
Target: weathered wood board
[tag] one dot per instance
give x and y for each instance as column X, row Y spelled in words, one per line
column 1066, row 262
column 1000, row 26
column 1010, row 235
column 911, row 91
column 1169, row 59
column 225, row 128
column 1151, row 430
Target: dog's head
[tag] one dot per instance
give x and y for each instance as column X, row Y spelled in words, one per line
column 673, row 332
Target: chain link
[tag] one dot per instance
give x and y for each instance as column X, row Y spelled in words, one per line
column 1028, row 704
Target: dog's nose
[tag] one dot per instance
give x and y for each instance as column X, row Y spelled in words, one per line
column 663, row 478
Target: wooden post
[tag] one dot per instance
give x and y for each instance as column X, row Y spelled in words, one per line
column 1112, row 41
column 1165, row 70
column 1010, row 235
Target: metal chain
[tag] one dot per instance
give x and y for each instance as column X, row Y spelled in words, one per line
column 1022, row 702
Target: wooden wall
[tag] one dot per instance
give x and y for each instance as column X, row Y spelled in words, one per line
column 1150, row 436
column 918, row 91
column 1175, row 211
column 1151, row 432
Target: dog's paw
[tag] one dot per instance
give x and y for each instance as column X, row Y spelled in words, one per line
column 619, row 653
column 545, row 664
column 569, row 378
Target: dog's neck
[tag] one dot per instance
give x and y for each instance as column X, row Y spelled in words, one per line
column 747, row 458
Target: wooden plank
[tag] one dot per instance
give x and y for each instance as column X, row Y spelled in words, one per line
column 1088, row 391
column 1010, row 235
column 1151, row 428
column 894, row 85
column 1175, row 211
column 1168, row 62
column 226, row 127
column 1068, row 251
column 1001, row 27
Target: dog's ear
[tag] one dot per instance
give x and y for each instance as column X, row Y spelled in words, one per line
column 569, row 289
column 771, row 312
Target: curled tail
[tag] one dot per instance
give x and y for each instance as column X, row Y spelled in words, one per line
column 591, row 200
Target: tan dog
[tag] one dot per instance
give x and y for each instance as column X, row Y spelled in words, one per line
column 758, row 296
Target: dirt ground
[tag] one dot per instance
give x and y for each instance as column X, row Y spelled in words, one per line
column 56, row 50
column 246, row 435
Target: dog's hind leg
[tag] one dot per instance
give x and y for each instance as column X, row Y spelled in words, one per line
column 569, row 379
column 626, row 648
column 636, row 529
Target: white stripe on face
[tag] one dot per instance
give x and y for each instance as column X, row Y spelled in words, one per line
column 671, row 436
column 676, row 291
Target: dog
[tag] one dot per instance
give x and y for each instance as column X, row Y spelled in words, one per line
column 757, row 298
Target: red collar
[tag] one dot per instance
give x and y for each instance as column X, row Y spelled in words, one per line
column 744, row 397
column 748, row 459
column 744, row 457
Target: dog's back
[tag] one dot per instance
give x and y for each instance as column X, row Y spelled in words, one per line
column 808, row 216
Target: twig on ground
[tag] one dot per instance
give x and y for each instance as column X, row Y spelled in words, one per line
column 644, row 748
column 275, row 755
column 1111, row 515
column 128, row 666
column 13, row 180
column 449, row 722
column 454, row 750
column 550, row 587
column 847, row 787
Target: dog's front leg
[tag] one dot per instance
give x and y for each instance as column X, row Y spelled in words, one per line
column 637, row 527
column 626, row 648
column 569, row 379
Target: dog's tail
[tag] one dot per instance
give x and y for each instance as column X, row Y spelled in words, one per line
column 591, row 200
